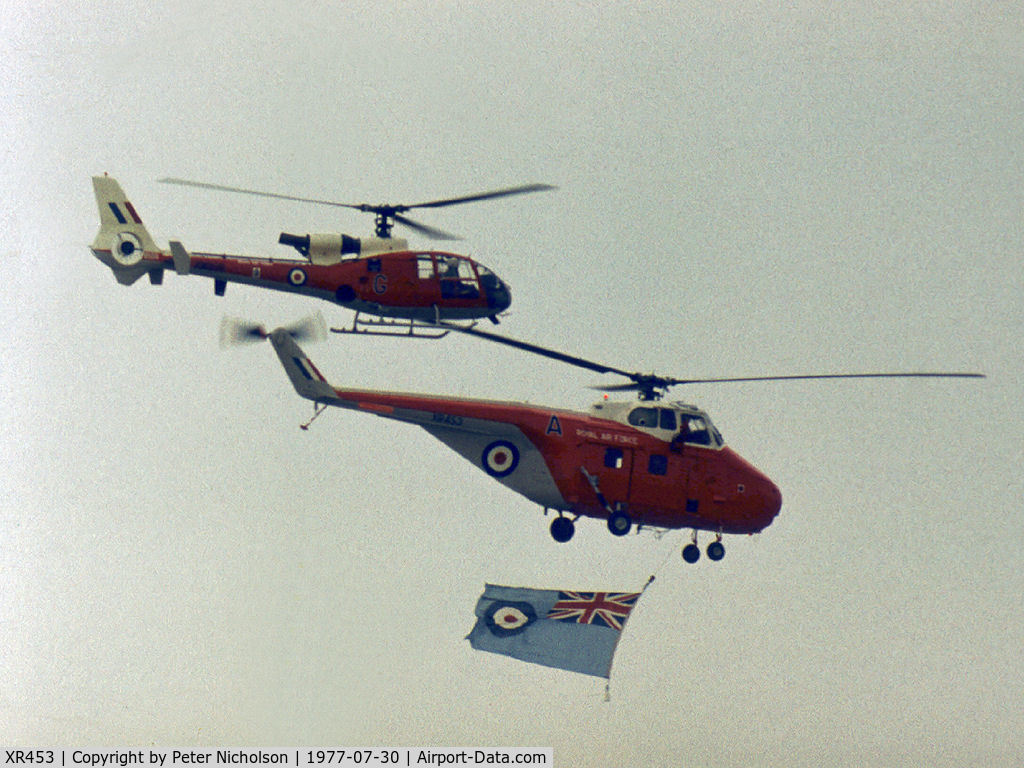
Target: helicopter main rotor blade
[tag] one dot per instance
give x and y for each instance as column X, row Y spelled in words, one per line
column 432, row 232
column 223, row 188
column 649, row 384
column 811, row 376
column 579, row 362
column 520, row 190
column 390, row 210
column 385, row 212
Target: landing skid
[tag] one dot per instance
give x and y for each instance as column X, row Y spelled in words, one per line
column 402, row 328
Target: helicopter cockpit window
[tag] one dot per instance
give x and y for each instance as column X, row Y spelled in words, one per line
column 488, row 279
column 458, row 281
column 424, row 267
column 668, row 419
column 694, row 430
column 644, row 417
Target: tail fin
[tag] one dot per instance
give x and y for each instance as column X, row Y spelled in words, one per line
column 306, row 379
column 123, row 241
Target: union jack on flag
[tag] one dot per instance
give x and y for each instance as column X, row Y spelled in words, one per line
column 607, row 609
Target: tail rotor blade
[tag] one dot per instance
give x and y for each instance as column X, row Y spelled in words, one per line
column 235, row 331
column 312, row 328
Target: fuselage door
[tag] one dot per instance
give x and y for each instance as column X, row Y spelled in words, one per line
column 453, row 276
column 457, row 276
column 612, row 466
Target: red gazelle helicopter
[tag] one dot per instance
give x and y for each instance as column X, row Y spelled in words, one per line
column 641, row 463
column 380, row 276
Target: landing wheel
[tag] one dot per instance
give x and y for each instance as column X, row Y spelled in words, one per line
column 619, row 523
column 562, row 529
column 691, row 553
column 716, row 551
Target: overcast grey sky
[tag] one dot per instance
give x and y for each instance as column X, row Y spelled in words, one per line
column 743, row 190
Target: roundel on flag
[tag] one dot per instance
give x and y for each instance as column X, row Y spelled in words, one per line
column 510, row 617
column 500, row 458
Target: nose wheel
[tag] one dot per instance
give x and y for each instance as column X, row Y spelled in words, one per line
column 715, row 550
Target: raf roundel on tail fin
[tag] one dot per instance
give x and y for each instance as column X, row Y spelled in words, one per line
column 123, row 240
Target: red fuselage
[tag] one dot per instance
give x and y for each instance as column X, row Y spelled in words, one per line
column 584, row 464
column 668, row 484
column 411, row 285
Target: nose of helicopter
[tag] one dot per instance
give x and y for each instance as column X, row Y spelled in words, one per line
column 758, row 497
column 500, row 297
column 771, row 497
column 764, row 504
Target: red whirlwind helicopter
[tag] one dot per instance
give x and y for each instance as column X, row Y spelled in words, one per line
column 641, row 463
column 402, row 289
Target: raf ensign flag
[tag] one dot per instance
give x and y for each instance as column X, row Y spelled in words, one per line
column 577, row 631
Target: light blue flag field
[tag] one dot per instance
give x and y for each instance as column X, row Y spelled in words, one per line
column 577, row 631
